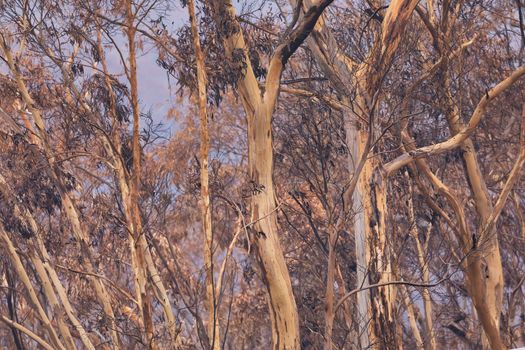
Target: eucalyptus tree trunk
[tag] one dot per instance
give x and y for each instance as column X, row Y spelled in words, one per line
column 484, row 268
column 33, row 297
column 139, row 245
column 112, row 145
column 430, row 341
column 259, row 107
column 358, row 85
column 38, row 263
column 485, row 278
column 213, row 321
column 283, row 310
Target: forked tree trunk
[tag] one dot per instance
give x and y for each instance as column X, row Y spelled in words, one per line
column 259, row 107
column 484, row 270
column 375, row 307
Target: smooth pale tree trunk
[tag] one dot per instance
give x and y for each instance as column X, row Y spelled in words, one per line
column 362, row 250
column 213, row 321
column 139, row 245
column 281, row 301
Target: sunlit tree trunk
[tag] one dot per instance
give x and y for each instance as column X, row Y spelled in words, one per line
column 409, row 306
column 259, row 107
column 112, row 145
column 329, row 293
column 478, row 257
column 421, row 248
column 281, row 302
column 24, row 277
column 484, row 268
column 45, row 282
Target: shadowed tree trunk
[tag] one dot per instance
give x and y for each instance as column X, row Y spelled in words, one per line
column 359, row 86
column 213, row 317
column 139, row 245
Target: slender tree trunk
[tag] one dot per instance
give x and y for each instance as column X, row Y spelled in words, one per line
column 329, row 294
column 140, row 245
column 213, row 321
column 46, row 284
column 12, row 307
column 27, row 332
column 430, row 342
column 409, row 306
column 112, row 145
column 24, row 277
column 47, row 287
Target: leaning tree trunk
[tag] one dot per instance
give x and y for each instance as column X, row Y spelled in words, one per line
column 484, row 268
column 70, row 209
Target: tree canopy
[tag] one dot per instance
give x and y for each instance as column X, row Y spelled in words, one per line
column 320, row 174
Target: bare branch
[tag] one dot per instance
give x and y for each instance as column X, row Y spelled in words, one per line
column 455, row 141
